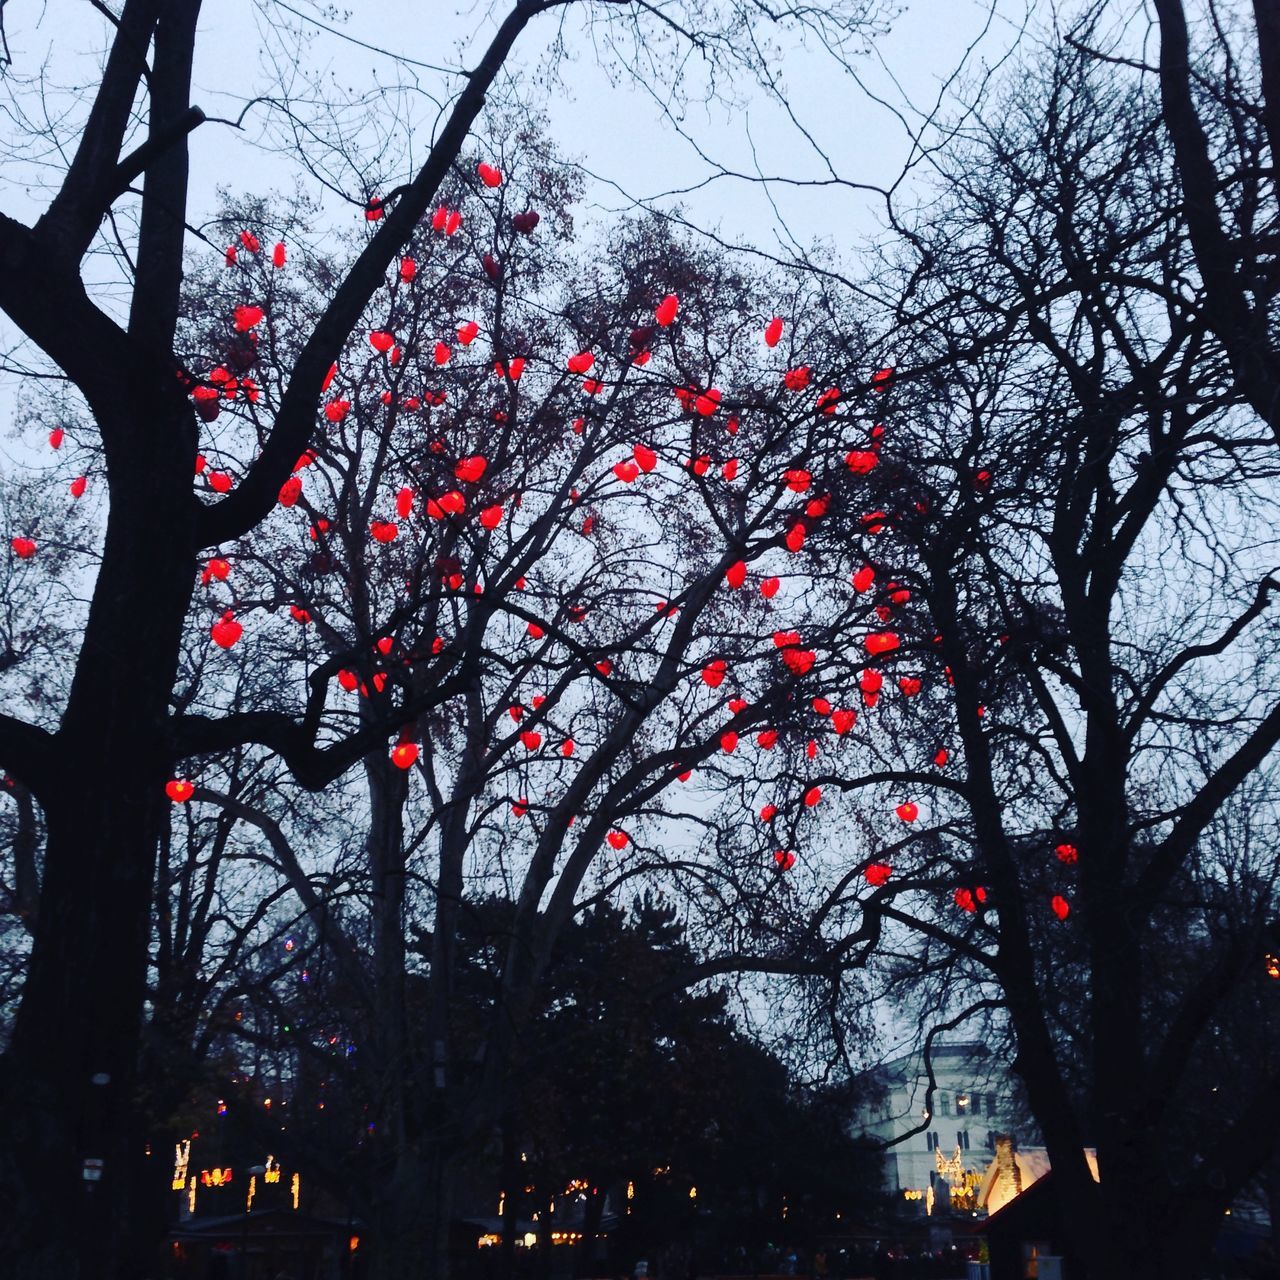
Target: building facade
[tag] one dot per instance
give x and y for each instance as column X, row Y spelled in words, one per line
column 974, row 1101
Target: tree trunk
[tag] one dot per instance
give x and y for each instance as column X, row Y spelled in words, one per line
column 585, row 1261
column 409, row 1228
column 70, row 1072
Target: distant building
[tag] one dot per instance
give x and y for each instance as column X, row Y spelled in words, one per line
column 973, row 1103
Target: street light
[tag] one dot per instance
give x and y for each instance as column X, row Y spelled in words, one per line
column 254, row 1171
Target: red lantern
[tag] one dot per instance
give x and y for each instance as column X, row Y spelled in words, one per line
column 469, row 470
column 404, row 755
column 226, row 631
column 179, row 790
column 798, row 661
column 842, row 721
column 877, row 873
column 666, row 310
column 773, row 332
column 784, row 859
column 247, row 317
column 908, row 811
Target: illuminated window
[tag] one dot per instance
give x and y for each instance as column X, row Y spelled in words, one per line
column 962, row 1104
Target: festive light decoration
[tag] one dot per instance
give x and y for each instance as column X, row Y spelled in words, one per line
column 181, row 1163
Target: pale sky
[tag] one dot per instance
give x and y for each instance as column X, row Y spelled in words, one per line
column 617, row 130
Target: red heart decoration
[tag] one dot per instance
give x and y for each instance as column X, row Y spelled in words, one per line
column 226, row 631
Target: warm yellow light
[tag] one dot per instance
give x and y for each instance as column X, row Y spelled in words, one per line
column 693, row 1193
column 530, row 1239
column 253, row 1190
column 1273, row 966
column 295, row 1188
column 191, row 1194
column 488, row 1240
column 271, row 1171
column 181, row 1160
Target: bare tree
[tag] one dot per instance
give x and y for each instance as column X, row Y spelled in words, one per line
column 99, row 777
column 1077, row 487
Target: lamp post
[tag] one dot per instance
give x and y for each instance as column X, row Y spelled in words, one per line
column 254, row 1171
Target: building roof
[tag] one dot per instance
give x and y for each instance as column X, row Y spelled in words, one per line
column 998, row 1185
column 952, row 1050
